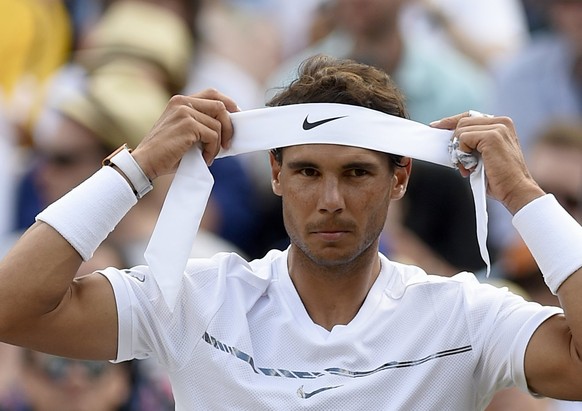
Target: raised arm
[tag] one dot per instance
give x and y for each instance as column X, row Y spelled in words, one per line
column 42, row 305
column 553, row 365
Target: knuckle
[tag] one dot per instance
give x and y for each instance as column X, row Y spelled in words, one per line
column 499, row 133
column 188, row 122
column 177, row 99
column 215, row 124
column 211, row 92
column 219, row 106
column 182, row 111
column 505, row 120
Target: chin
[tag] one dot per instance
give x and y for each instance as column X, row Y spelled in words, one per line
column 331, row 258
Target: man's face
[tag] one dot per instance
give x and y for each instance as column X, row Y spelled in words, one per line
column 335, row 199
column 66, row 157
column 54, row 383
column 567, row 17
column 368, row 18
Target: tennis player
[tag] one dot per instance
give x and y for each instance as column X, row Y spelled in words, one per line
column 328, row 323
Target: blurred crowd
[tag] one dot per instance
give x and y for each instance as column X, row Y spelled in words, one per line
column 79, row 78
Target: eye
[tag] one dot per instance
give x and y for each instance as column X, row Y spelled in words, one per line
column 308, row 172
column 357, row 172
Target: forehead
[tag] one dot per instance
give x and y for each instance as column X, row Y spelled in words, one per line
column 332, row 153
column 66, row 133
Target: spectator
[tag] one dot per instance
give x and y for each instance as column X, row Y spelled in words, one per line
column 485, row 31
column 543, row 82
column 114, row 93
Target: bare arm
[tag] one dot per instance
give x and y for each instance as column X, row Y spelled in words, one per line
column 42, row 306
column 553, row 365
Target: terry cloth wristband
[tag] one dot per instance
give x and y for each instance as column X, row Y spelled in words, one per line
column 553, row 237
column 87, row 214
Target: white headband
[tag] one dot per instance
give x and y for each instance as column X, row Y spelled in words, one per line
column 266, row 128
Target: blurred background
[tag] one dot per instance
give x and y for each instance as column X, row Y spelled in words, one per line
column 79, row 78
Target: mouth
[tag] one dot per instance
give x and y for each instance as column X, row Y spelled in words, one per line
column 330, row 234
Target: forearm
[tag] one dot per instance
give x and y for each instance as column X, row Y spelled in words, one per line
column 38, row 272
column 555, row 241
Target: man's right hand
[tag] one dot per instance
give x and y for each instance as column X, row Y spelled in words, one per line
column 199, row 119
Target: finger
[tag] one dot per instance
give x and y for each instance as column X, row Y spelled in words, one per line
column 208, row 136
column 463, row 171
column 227, row 129
column 466, row 140
column 450, row 123
column 213, row 94
column 206, row 129
column 217, row 110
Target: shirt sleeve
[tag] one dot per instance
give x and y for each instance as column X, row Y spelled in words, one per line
column 501, row 325
column 146, row 325
column 129, row 344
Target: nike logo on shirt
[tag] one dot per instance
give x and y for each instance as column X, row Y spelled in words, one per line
column 302, row 394
column 308, row 125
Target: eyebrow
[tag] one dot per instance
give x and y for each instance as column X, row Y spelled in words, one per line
column 299, row 164
column 366, row 165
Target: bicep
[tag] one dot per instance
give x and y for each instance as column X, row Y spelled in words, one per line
column 83, row 325
column 553, row 367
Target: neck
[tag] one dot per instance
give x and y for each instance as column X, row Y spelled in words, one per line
column 333, row 295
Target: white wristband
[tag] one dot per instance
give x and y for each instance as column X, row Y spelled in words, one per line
column 553, row 237
column 123, row 159
column 87, row 214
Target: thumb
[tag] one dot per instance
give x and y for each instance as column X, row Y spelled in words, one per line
column 449, row 123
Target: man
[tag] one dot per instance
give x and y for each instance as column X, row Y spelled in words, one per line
column 437, row 82
column 542, row 83
column 328, row 323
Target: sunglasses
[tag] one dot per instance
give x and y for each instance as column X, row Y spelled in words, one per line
column 57, row 368
column 64, row 159
column 568, row 201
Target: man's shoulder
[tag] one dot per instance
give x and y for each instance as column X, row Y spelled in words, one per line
column 408, row 275
column 233, row 266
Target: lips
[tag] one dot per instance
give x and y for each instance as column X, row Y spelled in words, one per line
column 330, row 228
column 330, row 236
column 331, row 231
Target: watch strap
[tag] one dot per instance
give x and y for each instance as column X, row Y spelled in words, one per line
column 125, row 162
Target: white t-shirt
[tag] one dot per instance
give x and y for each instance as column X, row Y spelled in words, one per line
column 240, row 339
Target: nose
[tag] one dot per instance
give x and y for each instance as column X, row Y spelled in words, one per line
column 331, row 199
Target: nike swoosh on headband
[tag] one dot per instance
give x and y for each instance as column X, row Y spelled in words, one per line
column 266, row 128
column 308, row 126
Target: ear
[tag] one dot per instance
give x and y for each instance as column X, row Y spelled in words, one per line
column 401, row 177
column 275, row 171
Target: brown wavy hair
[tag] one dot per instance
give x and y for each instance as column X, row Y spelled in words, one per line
column 325, row 79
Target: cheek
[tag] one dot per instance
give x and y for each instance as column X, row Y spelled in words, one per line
column 297, row 206
column 376, row 207
column 372, row 197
